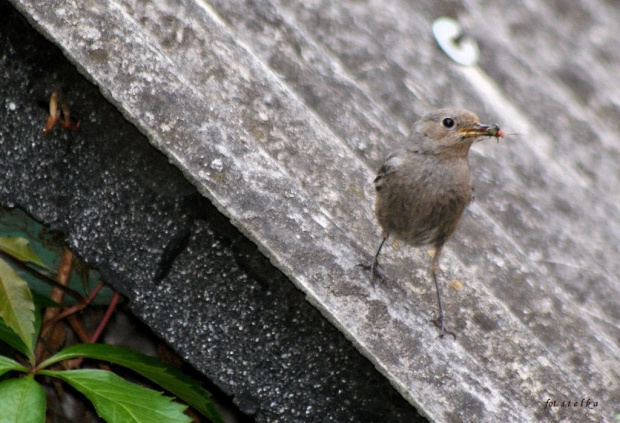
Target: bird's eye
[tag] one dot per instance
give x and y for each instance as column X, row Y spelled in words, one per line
column 447, row 123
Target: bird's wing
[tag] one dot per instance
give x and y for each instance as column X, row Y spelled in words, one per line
column 391, row 164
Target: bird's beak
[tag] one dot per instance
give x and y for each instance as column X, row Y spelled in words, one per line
column 480, row 130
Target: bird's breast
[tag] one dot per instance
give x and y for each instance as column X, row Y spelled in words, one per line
column 422, row 201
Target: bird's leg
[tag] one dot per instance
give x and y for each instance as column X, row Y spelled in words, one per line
column 439, row 322
column 374, row 266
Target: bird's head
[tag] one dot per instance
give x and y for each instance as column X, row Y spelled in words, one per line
column 451, row 131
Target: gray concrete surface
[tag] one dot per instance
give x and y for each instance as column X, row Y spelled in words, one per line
column 280, row 112
column 124, row 209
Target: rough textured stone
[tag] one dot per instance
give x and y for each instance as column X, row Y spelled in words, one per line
column 126, row 210
column 280, row 111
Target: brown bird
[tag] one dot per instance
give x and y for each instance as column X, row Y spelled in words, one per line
column 423, row 189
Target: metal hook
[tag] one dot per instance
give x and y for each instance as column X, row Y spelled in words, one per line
column 460, row 48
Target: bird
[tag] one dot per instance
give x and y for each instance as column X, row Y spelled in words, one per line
column 423, row 189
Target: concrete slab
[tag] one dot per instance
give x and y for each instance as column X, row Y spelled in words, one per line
column 280, row 112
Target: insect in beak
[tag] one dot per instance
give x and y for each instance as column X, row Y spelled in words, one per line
column 494, row 131
column 479, row 130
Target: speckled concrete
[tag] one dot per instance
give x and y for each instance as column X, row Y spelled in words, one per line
column 279, row 112
column 127, row 211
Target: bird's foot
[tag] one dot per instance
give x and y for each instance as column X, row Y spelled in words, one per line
column 439, row 322
column 375, row 272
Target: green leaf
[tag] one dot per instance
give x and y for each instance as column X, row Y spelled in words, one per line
column 20, row 249
column 42, row 301
column 169, row 378
column 10, row 337
column 23, row 401
column 16, row 306
column 6, row 365
column 118, row 401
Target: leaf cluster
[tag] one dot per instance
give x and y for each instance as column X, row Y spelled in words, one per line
column 22, row 398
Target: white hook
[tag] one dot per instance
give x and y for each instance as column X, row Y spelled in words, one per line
column 460, row 48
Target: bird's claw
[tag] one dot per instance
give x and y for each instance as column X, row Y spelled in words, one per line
column 375, row 272
column 439, row 322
